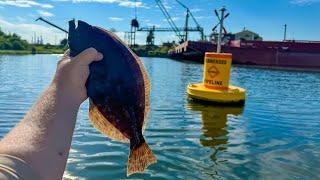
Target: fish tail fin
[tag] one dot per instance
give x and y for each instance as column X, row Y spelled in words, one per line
column 140, row 158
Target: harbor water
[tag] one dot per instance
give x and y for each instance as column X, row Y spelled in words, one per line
column 276, row 134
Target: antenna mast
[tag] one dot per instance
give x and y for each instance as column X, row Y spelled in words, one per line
column 221, row 17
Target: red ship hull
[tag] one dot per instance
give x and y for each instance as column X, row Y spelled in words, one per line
column 259, row 53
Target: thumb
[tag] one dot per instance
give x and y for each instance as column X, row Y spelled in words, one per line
column 88, row 56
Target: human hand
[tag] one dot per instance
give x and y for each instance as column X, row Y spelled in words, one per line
column 72, row 74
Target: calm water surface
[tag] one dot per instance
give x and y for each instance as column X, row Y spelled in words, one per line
column 276, row 134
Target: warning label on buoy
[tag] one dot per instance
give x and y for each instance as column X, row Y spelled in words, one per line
column 217, row 70
column 213, row 71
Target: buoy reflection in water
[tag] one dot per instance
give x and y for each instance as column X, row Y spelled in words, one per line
column 214, row 121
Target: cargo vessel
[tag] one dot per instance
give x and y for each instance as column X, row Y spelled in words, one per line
column 282, row 54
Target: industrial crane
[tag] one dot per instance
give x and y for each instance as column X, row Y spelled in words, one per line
column 186, row 29
column 134, row 27
column 150, row 38
column 173, row 27
column 151, row 30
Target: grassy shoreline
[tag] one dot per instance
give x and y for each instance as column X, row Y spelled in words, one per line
column 151, row 51
column 142, row 51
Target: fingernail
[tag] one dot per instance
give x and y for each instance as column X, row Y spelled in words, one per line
column 100, row 56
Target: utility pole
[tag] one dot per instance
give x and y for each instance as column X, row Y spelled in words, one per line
column 285, row 33
column 221, row 19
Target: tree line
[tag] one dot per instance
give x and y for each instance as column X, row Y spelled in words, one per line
column 12, row 42
column 15, row 42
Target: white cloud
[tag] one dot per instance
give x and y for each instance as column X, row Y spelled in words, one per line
column 45, row 13
column 304, row 2
column 27, row 31
column 24, row 3
column 131, row 4
column 123, row 3
column 115, row 19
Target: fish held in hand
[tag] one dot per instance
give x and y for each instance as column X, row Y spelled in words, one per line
column 118, row 89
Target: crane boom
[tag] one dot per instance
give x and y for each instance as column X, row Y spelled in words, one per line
column 200, row 29
column 193, row 18
column 41, row 19
column 169, row 19
column 165, row 29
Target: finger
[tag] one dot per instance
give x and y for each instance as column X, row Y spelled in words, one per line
column 88, row 56
column 66, row 54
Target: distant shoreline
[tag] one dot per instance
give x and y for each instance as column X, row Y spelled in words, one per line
column 141, row 51
column 26, row 52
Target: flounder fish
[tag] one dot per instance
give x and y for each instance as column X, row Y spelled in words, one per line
column 118, row 89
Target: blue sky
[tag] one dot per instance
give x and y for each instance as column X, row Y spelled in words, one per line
column 264, row 17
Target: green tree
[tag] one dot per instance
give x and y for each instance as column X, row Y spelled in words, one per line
column 18, row 45
column 6, row 46
column 63, row 42
column 12, row 42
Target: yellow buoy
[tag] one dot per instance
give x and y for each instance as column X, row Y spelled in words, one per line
column 215, row 86
column 216, row 75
